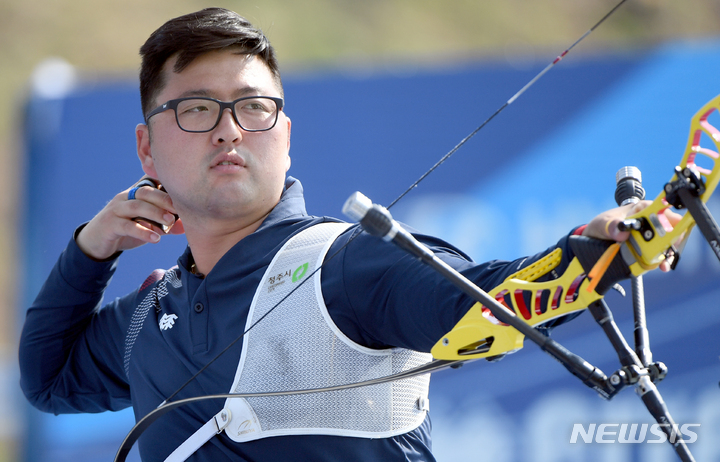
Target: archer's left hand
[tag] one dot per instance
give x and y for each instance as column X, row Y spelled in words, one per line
column 605, row 225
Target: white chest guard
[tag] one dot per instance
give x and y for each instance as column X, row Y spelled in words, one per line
column 298, row 347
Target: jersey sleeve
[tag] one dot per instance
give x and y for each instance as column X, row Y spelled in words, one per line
column 70, row 348
column 381, row 296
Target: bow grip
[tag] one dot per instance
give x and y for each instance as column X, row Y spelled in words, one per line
column 589, row 250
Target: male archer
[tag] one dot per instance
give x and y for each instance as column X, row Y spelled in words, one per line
column 215, row 144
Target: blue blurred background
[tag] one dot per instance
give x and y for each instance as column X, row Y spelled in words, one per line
column 545, row 165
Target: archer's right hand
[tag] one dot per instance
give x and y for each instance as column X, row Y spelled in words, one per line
column 118, row 225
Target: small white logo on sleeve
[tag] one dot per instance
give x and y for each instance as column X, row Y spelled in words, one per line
column 167, row 321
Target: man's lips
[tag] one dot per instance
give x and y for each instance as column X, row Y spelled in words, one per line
column 228, row 160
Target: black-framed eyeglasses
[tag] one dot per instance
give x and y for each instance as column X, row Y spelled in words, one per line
column 198, row 114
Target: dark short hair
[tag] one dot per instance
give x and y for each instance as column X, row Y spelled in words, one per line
column 193, row 35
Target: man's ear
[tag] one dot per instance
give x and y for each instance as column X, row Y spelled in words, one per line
column 142, row 137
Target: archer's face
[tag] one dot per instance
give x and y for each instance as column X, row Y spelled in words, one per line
column 227, row 173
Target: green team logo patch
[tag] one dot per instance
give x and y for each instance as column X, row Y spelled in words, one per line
column 299, row 272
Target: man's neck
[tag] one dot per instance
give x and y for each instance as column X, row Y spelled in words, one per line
column 210, row 241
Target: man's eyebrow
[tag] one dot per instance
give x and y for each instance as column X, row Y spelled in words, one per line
column 239, row 93
column 188, row 93
column 247, row 91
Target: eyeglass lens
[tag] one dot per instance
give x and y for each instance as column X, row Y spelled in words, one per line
column 202, row 114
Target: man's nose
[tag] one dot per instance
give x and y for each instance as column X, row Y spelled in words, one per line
column 227, row 129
